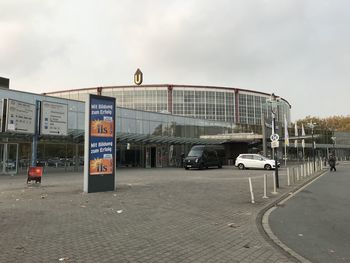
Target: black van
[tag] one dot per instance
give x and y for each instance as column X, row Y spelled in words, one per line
column 202, row 156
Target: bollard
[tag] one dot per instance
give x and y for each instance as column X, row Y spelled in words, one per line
column 293, row 175
column 274, row 184
column 251, row 190
column 301, row 171
column 265, row 186
column 311, row 168
column 297, row 173
column 320, row 165
column 288, row 178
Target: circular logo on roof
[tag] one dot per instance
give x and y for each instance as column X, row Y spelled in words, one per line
column 138, row 77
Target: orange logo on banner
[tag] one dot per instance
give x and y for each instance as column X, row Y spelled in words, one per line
column 101, row 166
column 100, row 128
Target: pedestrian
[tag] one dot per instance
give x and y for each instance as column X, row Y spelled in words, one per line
column 332, row 162
column 182, row 159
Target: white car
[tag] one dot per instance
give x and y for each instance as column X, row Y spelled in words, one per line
column 254, row 161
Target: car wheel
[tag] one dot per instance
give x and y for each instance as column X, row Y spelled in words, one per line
column 219, row 166
column 267, row 167
column 186, row 168
column 241, row 166
column 200, row 167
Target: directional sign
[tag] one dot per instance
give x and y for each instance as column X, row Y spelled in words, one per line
column 20, row 117
column 274, row 137
column 54, row 118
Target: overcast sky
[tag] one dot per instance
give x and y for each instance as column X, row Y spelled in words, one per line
column 298, row 49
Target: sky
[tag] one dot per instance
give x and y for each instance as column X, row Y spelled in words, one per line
column 297, row 49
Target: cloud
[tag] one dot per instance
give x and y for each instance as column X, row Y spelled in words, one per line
column 295, row 48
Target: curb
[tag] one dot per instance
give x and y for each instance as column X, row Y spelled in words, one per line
column 262, row 220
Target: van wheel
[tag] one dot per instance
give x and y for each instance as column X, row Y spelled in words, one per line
column 267, row 167
column 241, row 166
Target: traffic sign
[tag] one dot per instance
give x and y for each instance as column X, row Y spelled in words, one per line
column 274, row 137
column 275, row 144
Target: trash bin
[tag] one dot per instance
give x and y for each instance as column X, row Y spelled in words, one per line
column 34, row 174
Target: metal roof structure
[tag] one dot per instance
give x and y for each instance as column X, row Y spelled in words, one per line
column 141, row 138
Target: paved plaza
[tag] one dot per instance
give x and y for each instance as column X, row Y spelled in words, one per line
column 156, row 215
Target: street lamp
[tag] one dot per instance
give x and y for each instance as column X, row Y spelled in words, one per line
column 312, row 126
column 334, row 139
column 273, row 100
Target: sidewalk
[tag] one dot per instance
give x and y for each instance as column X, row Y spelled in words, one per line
column 156, row 215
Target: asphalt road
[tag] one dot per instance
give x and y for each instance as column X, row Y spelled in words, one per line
column 316, row 222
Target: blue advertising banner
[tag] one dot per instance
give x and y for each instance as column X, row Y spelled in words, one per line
column 100, row 144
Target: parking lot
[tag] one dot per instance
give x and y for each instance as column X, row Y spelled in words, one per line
column 156, row 215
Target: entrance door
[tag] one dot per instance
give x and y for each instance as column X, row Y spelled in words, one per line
column 148, row 156
column 159, row 157
column 153, row 156
column 9, row 158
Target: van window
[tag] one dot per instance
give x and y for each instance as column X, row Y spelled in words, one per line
column 195, row 153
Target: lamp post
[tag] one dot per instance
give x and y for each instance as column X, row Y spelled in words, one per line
column 273, row 100
column 334, row 139
column 312, row 126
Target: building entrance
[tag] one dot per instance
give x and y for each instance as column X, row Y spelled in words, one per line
column 8, row 158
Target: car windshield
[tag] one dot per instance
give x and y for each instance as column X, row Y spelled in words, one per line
column 195, row 153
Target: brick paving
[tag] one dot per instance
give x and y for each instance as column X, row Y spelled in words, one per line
column 156, row 215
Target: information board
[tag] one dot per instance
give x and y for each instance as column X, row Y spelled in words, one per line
column 20, row 117
column 54, row 118
column 99, row 174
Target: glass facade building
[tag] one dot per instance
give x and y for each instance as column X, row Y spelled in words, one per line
column 231, row 105
column 155, row 125
column 144, row 138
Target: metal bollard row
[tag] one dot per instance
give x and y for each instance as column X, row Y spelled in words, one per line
column 293, row 176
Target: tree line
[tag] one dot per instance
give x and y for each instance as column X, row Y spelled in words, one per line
column 333, row 123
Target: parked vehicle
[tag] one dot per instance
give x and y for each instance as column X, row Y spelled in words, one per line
column 10, row 164
column 255, row 161
column 202, row 156
column 55, row 162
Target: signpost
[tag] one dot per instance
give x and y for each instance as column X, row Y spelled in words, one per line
column 99, row 169
column 20, row 117
column 274, row 137
column 54, row 118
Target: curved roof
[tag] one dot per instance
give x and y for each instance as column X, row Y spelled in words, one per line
column 167, row 85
